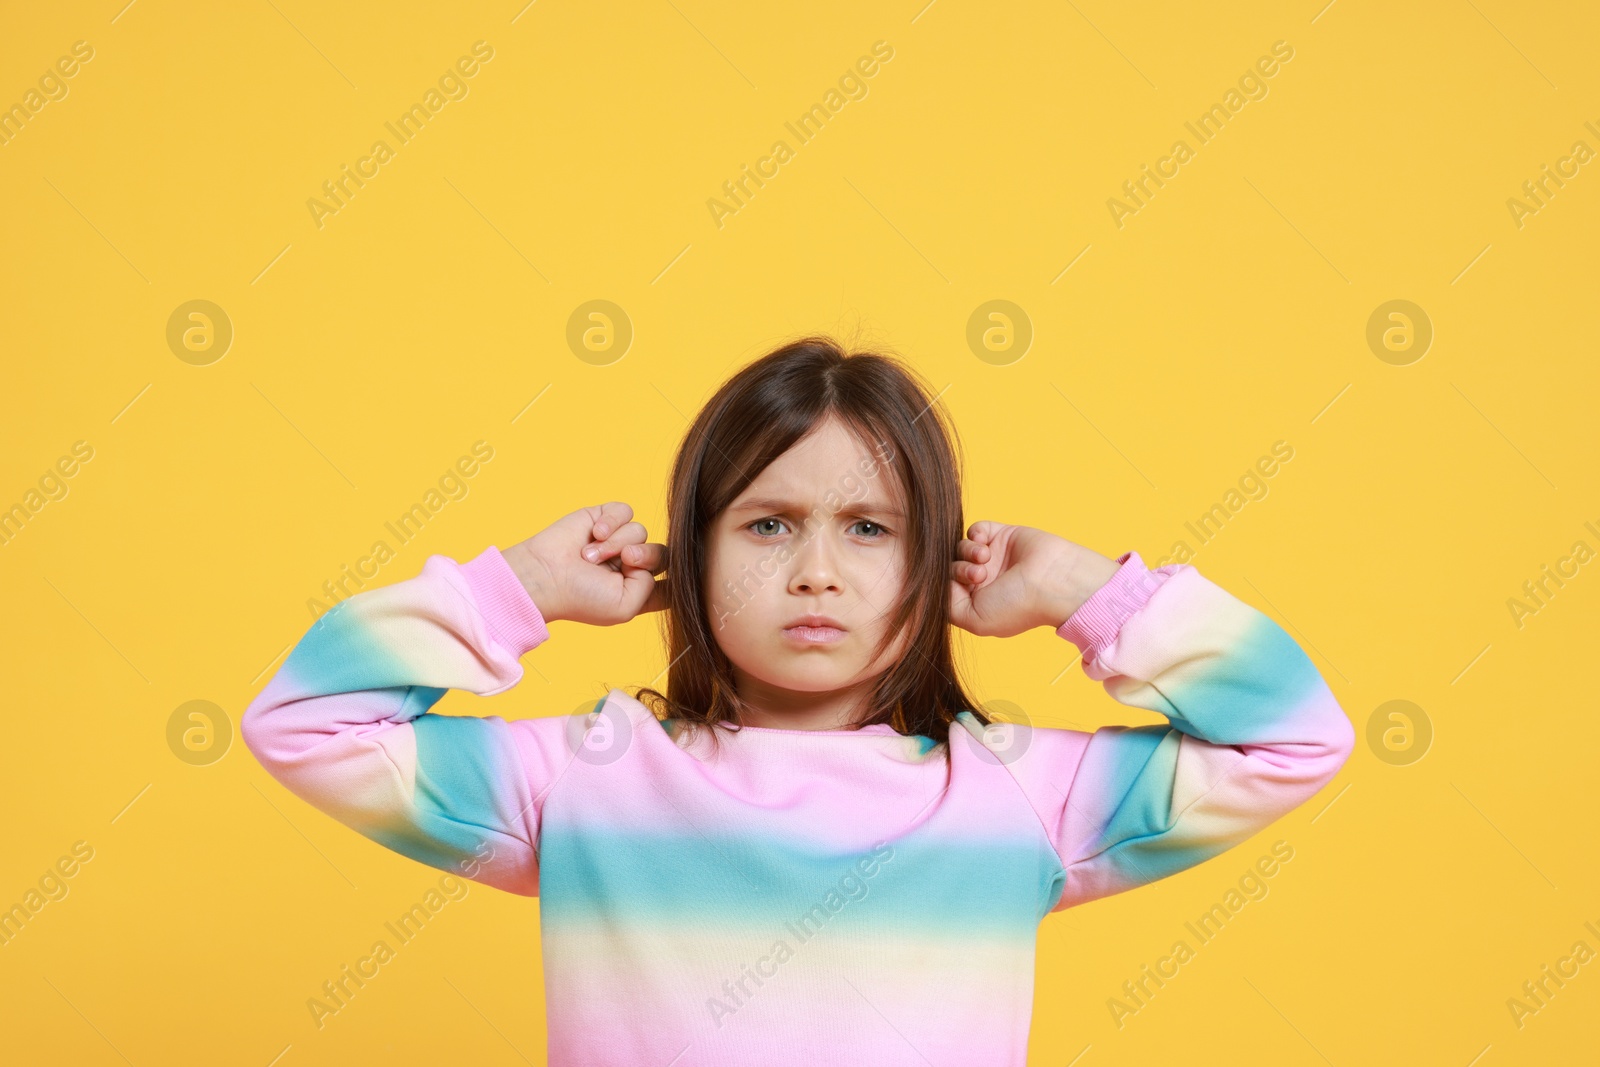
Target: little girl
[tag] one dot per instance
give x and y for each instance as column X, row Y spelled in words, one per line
column 814, row 848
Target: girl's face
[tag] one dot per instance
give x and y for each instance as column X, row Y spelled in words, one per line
column 819, row 532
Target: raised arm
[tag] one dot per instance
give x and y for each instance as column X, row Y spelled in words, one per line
column 345, row 722
column 1253, row 732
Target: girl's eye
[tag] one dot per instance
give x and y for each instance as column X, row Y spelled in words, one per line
column 879, row 531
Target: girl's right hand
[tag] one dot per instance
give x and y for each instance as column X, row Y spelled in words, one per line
column 617, row 584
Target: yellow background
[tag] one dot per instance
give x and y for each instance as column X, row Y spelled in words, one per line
column 1227, row 314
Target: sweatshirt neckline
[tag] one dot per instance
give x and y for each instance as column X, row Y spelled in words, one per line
column 872, row 729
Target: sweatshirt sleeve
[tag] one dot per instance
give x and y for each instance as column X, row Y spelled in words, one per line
column 1253, row 731
column 345, row 723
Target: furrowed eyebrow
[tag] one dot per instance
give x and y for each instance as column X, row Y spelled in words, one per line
column 789, row 507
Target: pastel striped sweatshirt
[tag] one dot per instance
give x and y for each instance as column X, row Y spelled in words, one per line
column 797, row 897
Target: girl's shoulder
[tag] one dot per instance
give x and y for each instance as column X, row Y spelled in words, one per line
column 1018, row 744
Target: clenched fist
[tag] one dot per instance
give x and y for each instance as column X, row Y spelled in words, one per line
column 1007, row 579
column 593, row 566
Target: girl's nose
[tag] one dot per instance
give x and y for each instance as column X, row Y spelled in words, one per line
column 814, row 569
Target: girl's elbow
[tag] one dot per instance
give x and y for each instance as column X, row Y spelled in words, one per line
column 256, row 737
column 1341, row 736
column 1337, row 744
column 261, row 733
column 1345, row 742
column 1315, row 759
column 1335, row 737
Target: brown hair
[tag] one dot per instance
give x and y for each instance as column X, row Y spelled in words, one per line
column 754, row 418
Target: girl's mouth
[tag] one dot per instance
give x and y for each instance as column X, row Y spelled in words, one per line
column 814, row 635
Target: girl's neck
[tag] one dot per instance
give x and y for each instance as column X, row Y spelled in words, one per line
column 787, row 709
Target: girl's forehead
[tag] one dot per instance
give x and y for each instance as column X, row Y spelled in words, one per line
column 796, row 501
column 834, row 465
column 863, row 483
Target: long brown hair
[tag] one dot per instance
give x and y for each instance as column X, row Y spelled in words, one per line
column 756, row 415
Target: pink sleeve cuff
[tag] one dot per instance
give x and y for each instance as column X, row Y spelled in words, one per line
column 512, row 615
column 1099, row 619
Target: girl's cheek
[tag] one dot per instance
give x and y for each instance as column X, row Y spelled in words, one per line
column 883, row 578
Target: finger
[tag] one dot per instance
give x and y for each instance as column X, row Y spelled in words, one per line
column 968, row 573
column 631, row 533
column 973, row 550
column 983, row 532
column 650, row 557
column 960, row 612
column 656, row 599
column 608, row 517
column 659, row 599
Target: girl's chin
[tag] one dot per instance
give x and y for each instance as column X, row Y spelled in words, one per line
column 805, row 678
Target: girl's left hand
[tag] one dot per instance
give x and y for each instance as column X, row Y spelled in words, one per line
column 1008, row 579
